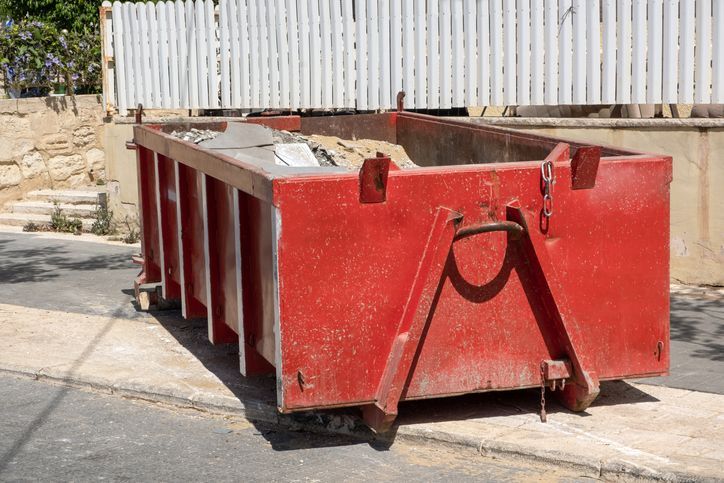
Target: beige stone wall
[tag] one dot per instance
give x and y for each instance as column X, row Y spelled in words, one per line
column 52, row 142
column 697, row 190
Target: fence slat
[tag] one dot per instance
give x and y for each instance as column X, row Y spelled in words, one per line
column 638, row 53
column 458, row 53
column 350, row 70
column 273, row 51
column 395, row 24
column 608, row 80
column 182, row 81
column 326, row 39
column 446, row 66
column 212, row 45
column 373, row 56
column 551, row 52
column 305, row 77
column 579, row 51
column 119, row 58
column 623, row 52
column 433, row 55
column 687, row 20
column 655, row 52
column 225, row 51
column 282, row 30
column 702, row 93
column 408, row 52
column 483, row 53
column 263, row 65
column 337, row 55
column 470, row 64
column 671, row 38
column 593, row 50
column 537, row 52
column 717, row 92
column 565, row 52
column 155, row 70
column 163, row 57
column 523, row 57
column 235, row 58
column 361, row 61
column 293, row 29
column 509, row 54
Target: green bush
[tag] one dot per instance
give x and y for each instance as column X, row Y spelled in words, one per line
column 71, row 15
column 103, row 224
column 35, row 57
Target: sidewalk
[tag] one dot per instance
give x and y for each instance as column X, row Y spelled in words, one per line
column 634, row 430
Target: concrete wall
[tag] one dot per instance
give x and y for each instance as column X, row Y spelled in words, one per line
column 52, row 142
column 697, row 191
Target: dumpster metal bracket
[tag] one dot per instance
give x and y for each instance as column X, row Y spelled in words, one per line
column 584, row 386
column 373, row 179
column 584, row 167
column 383, row 412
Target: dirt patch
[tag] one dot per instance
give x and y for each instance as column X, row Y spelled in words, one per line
column 351, row 154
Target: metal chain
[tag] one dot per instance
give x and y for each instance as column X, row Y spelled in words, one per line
column 543, row 415
column 546, row 170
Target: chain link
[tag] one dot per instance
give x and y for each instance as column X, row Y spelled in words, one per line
column 546, row 170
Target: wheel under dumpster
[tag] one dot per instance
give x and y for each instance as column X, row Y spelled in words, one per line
column 505, row 261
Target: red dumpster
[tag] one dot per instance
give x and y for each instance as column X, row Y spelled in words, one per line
column 507, row 260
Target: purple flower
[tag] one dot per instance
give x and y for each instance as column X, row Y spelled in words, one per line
column 63, row 42
column 25, row 35
column 74, row 77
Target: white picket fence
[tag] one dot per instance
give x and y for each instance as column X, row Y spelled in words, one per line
column 290, row 54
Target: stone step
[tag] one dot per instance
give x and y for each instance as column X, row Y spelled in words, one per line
column 22, row 219
column 71, row 197
column 46, row 208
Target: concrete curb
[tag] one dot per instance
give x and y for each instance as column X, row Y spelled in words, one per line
column 330, row 423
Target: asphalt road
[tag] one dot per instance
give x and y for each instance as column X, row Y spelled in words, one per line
column 95, row 278
column 52, row 433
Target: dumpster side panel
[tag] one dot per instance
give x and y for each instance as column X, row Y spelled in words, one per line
column 191, row 242
column 168, row 226
column 346, row 268
column 223, row 293
column 148, row 212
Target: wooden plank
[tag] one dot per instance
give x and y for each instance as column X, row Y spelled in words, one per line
column 671, row 39
column 337, row 55
column 565, row 52
column 537, row 52
column 484, row 72
column 264, row 60
column 409, row 26
column 433, row 55
column 155, row 69
column 274, row 60
column 362, row 63
column 687, row 23
column 373, row 56
column 458, row 55
column 235, row 58
column 202, row 54
column 119, row 58
column 212, row 45
column 509, row 58
column 523, row 49
column 593, row 57
column 350, row 72
column 420, row 55
column 623, row 52
column 315, row 56
column 383, row 10
column 551, row 52
column 164, row 56
column 225, row 41
column 655, row 53
column 177, row 52
column 192, row 62
column 608, row 80
column 580, row 44
column 471, row 66
column 294, row 77
column 717, row 92
column 638, row 54
column 305, row 79
column 282, row 31
column 326, row 38
column 702, row 76
column 135, row 40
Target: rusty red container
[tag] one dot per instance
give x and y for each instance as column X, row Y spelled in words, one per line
column 506, row 261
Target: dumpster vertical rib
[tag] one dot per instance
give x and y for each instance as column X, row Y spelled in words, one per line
column 417, row 312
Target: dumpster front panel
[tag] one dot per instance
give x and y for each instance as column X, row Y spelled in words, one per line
column 346, row 269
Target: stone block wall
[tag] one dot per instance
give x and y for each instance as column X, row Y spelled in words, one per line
column 52, row 142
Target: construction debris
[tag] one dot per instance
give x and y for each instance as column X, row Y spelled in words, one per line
column 195, row 135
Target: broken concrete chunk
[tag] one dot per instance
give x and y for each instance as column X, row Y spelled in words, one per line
column 295, row 154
